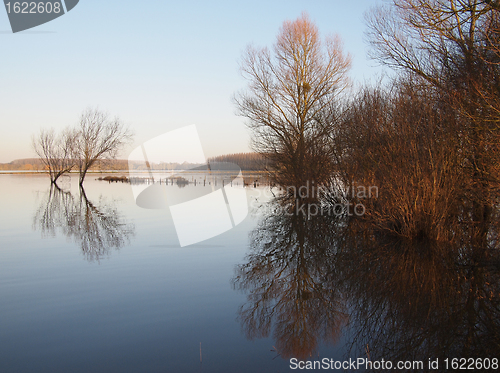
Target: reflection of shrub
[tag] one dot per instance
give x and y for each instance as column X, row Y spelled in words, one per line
column 179, row 180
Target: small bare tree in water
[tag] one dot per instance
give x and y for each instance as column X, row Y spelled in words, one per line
column 99, row 137
column 56, row 151
column 290, row 89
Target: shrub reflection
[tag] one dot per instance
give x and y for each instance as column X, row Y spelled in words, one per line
column 309, row 281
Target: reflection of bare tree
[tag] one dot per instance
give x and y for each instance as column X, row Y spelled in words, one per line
column 286, row 279
column 97, row 227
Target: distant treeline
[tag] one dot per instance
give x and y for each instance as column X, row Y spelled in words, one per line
column 161, row 166
column 246, row 161
column 28, row 164
column 35, row 164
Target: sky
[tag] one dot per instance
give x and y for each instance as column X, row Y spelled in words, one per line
column 158, row 65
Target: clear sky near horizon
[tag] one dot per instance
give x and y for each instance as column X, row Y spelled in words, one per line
column 158, row 65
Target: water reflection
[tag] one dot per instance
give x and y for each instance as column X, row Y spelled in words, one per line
column 98, row 227
column 415, row 301
column 287, row 278
column 309, row 280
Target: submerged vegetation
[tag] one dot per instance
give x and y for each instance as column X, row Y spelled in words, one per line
column 414, row 272
column 428, row 140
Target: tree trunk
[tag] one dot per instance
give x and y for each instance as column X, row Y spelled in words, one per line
column 82, row 176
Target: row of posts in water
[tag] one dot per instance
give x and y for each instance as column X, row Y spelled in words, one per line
column 181, row 182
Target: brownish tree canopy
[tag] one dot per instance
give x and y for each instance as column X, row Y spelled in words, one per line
column 289, row 90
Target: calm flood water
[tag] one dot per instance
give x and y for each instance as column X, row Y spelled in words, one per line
column 93, row 283
column 103, row 286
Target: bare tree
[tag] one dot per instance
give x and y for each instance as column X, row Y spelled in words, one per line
column 100, row 137
column 453, row 45
column 289, row 90
column 428, row 36
column 56, row 152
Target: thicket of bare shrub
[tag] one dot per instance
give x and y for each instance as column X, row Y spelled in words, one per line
column 430, row 142
column 406, row 142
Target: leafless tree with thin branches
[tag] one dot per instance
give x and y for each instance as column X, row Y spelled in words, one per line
column 289, row 90
column 56, row 151
column 100, row 138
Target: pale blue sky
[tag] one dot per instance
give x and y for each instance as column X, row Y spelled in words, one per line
column 158, row 65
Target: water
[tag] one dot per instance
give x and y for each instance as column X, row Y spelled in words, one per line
column 90, row 282
column 141, row 305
